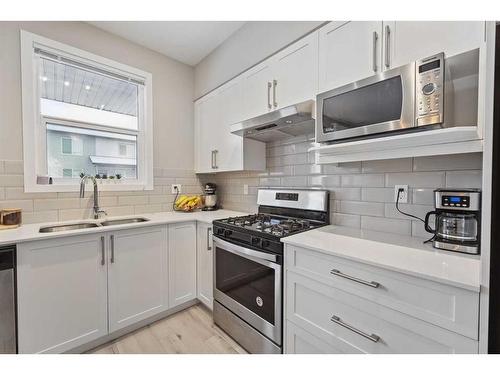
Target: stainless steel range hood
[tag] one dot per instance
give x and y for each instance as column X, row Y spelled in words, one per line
column 283, row 123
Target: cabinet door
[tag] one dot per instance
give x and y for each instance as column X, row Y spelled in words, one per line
column 205, row 264
column 348, row 51
column 257, row 90
column 137, row 264
column 413, row 40
column 207, row 118
column 182, row 262
column 229, row 147
column 295, row 73
column 62, row 296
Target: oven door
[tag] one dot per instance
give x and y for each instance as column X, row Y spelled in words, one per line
column 378, row 104
column 248, row 282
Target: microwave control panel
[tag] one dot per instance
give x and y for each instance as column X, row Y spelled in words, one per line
column 429, row 95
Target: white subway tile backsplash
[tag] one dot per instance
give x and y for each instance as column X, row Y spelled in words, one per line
column 296, row 181
column 416, row 179
column 363, row 180
column 324, row 181
column 13, row 167
column 40, row 217
column 18, row 193
column 132, row 200
column 294, row 159
column 342, row 168
column 270, row 181
column 307, row 169
column 377, row 194
column 417, row 210
column 10, row 180
column 448, row 162
column 25, row 204
column 470, row 179
column 423, row 196
column 361, row 208
column 345, row 194
column 346, row 220
column 384, row 166
column 56, row 204
column 382, row 224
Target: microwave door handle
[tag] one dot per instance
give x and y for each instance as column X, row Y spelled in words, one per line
column 375, row 39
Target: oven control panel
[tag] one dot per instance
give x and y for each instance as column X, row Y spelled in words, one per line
column 429, row 95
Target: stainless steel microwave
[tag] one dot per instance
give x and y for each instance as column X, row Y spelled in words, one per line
column 428, row 93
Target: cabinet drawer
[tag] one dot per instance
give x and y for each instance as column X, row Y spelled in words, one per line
column 446, row 306
column 299, row 341
column 336, row 316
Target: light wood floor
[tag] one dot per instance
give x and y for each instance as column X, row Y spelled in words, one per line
column 191, row 331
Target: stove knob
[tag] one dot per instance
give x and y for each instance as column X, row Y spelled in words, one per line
column 265, row 243
column 256, row 241
column 227, row 233
column 220, row 231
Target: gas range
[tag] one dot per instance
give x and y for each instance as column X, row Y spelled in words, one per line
column 248, row 262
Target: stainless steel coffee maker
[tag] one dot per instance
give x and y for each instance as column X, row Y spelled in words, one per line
column 457, row 220
column 210, row 197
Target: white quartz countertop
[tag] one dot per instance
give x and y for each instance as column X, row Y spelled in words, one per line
column 30, row 232
column 404, row 254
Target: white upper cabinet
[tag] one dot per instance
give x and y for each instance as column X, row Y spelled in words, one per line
column 349, row 51
column 217, row 149
column 62, row 293
column 138, row 277
column 182, row 262
column 295, row 73
column 407, row 41
column 257, row 86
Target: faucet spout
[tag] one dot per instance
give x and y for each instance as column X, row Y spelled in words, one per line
column 96, row 208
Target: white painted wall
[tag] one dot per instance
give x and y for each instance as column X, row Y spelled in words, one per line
column 173, row 85
column 250, row 44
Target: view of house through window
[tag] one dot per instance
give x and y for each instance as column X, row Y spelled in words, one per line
column 90, row 119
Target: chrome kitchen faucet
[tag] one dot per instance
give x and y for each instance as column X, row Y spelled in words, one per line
column 83, row 181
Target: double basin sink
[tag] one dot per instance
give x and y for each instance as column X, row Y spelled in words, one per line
column 85, row 225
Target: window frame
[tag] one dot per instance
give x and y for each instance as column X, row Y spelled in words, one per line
column 33, row 131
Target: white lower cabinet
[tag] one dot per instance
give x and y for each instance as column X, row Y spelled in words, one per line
column 138, row 275
column 181, row 262
column 354, row 314
column 62, row 293
column 204, row 264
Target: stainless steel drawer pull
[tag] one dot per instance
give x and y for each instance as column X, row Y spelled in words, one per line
column 375, row 38
column 373, row 284
column 275, row 100
column 112, row 248
column 103, row 260
column 371, row 337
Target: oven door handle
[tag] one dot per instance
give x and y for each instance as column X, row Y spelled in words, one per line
column 244, row 251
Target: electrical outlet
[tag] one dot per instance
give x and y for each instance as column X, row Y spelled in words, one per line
column 176, row 188
column 245, row 189
column 403, row 196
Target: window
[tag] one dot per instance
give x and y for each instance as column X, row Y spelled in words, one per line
column 83, row 113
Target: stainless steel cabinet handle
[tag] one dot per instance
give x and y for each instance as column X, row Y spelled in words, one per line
column 373, row 284
column 213, row 163
column 269, row 85
column 375, row 39
column 215, row 166
column 112, row 248
column 103, row 260
column 387, row 46
column 275, row 101
column 209, row 229
column 371, row 337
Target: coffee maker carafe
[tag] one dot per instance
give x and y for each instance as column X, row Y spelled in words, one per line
column 210, row 197
column 457, row 220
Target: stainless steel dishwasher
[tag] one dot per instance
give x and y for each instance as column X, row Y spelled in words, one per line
column 7, row 300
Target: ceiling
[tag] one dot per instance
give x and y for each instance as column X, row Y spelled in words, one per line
column 72, row 85
column 186, row 41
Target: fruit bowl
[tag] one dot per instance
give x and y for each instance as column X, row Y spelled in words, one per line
column 187, row 203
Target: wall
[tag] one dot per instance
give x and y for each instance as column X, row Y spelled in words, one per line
column 361, row 193
column 252, row 43
column 173, row 85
